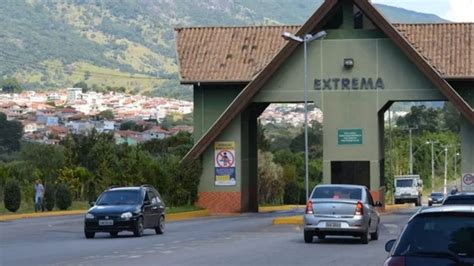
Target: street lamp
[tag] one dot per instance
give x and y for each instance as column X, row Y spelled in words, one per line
column 305, row 40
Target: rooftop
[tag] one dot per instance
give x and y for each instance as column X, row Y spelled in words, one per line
column 237, row 54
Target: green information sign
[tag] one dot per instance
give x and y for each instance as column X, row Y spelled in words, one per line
column 349, row 136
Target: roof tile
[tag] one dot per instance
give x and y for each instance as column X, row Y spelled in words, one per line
column 237, row 54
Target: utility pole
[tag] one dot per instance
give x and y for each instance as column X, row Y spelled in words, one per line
column 410, row 129
column 432, row 164
column 445, row 170
column 456, row 154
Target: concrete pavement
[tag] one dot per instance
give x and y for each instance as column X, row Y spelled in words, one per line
column 248, row 239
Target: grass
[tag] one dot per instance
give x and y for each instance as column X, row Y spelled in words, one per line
column 27, row 207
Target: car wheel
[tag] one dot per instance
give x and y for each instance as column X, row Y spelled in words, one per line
column 308, row 237
column 375, row 235
column 364, row 238
column 160, row 229
column 89, row 234
column 397, row 202
column 430, row 204
column 113, row 234
column 138, row 231
column 321, row 236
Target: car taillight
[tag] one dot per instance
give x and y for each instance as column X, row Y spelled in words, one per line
column 309, row 208
column 359, row 209
column 395, row 261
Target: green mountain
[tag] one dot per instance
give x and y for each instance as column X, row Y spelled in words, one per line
column 130, row 43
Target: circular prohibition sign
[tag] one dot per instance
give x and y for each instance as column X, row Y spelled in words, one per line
column 468, row 179
column 225, row 158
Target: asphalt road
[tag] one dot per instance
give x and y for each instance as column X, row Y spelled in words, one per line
column 248, row 239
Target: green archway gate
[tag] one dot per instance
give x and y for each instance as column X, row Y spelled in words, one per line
column 237, row 71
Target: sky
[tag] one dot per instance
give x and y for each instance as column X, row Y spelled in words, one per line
column 453, row 10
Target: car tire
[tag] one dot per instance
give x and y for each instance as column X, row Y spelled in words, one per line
column 89, row 235
column 308, row 237
column 397, row 202
column 138, row 230
column 160, row 229
column 113, row 234
column 430, row 204
column 364, row 238
column 375, row 235
column 321, row 237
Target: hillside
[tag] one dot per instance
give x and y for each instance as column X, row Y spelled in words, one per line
column 130, row 43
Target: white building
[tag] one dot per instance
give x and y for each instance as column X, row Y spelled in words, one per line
column 73, row 94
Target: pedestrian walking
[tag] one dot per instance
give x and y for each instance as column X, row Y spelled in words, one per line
column 39, row 195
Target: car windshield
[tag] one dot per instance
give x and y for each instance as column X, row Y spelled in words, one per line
column 120, row 197
column 405, row 183
column 436, row 194
column 337, row 192
column 446, row 233
column 459, row 200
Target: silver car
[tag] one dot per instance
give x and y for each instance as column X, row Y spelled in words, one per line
column 341, row 210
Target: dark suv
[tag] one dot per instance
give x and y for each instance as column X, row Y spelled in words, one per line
column 126, row 209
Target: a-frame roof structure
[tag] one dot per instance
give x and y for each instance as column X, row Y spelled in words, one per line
column 314, row 24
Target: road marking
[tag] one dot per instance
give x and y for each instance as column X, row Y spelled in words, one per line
column 392, row 228
column 134, row 256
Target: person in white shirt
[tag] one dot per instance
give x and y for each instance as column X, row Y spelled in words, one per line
column 39, row 195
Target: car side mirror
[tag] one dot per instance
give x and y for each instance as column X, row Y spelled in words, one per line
column 92, row 203
column 389, row 245
column 378, row 204
column 146, row 202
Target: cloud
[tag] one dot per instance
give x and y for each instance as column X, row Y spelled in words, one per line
column 460, row 11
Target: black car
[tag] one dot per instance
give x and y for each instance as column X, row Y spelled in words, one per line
column 463, row 198
column 435, row 198
column 126, row 209
column 441, row 235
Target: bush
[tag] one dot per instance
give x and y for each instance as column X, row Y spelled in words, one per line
column 63, row 197
column 49, row 197
column 12, row 196
column 291, row 194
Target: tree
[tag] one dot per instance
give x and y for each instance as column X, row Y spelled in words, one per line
column 12, row 196
column 262, row 142
column 10, row 85
column 63, row 197
column 426, row 119
column 85, row 88
column 49, row 197
column 106, row 115
column 10, row 134
column 270, row 185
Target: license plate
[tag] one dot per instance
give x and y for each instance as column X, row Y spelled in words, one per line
column 333, row 224
column 106, row 222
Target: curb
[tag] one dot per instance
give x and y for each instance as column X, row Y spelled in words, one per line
column 293, row 220
column 298, row 219
column 279, row 208
column 11, row 217
column 181, row 216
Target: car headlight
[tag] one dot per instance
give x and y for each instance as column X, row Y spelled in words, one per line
column 430, row 199
column 126, row 215
column 89, row 216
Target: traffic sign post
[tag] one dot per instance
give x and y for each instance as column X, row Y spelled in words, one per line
column 467, row 182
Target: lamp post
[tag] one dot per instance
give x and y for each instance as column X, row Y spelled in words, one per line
column 305, row 40
column 445, row 190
